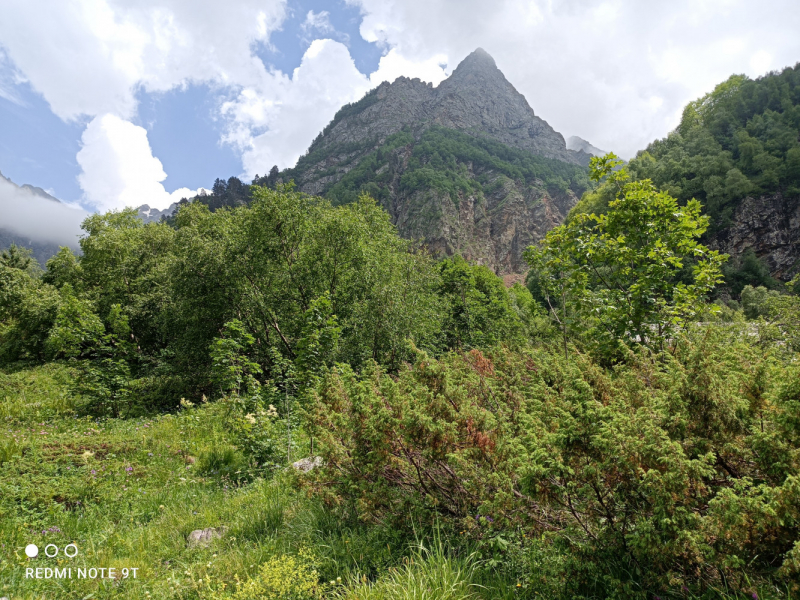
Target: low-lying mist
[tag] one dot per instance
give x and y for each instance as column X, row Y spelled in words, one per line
column 25, row 214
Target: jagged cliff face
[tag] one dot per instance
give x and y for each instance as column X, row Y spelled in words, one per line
column 770, row 226
column 491, row 227
column 491, row 220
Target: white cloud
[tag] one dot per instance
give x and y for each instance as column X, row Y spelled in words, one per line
column 119, row 169
column 88, row 57
column 761, row 61
column 593, row 68
column 39, row 219
column 275, row 123
column 393, row 64
column 10, row 77
column 319, row 22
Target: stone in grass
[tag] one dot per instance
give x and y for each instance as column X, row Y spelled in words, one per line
column 203, row 537
column 307, row 464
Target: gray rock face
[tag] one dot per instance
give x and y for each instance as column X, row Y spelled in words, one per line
column 153, row 215
column 492, row 229
column 476, row 98
column 204, row 537
column 770, row 225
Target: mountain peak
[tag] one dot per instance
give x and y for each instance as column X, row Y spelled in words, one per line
column 479, row 58
column 478, row 66
column 579, row 144
column 475, row 98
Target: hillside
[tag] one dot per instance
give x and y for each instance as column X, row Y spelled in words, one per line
column 176, row 383
column 737, row 150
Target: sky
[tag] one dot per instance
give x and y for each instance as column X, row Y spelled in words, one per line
column 113, row 103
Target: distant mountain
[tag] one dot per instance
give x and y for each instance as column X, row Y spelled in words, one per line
column 31, row 217
column 153, row 215
column 33, row 190
column 466, row 166
column 581, row 145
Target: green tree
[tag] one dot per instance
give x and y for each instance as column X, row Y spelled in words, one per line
column 28, row 308
column 231, row 368
column 101, row 353
column 478, row 308
column 267, row 264
column 616, row 276
column 17, row 257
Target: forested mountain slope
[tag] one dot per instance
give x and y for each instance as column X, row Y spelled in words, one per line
column 737, row 150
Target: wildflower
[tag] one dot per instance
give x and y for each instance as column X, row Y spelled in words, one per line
column 149, row 454
column 755, row 596
column 94, row 472
column 250, row 417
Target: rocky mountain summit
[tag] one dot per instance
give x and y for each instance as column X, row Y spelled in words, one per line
column 476, row 98
column 29, row 189
column 466, row 166
column 154, row 215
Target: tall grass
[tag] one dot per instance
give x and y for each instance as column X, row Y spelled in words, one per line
column 429, row 573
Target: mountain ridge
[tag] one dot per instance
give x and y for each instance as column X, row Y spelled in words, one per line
column 475, row 98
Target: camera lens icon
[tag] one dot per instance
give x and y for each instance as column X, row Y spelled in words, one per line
column 32, row 550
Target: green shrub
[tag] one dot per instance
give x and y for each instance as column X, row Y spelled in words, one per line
column 284, row 577
column 674, row 469
column 222, row 462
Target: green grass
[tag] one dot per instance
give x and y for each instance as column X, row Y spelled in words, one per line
column 129, row 492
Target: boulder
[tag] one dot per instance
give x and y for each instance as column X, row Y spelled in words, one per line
column 307, row 464
column 204, row 537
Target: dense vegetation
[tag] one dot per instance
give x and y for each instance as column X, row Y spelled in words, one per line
column 453, row 163
column 613, row 435
column 741, row 139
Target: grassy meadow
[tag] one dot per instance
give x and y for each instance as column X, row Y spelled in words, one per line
column 128, row 492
